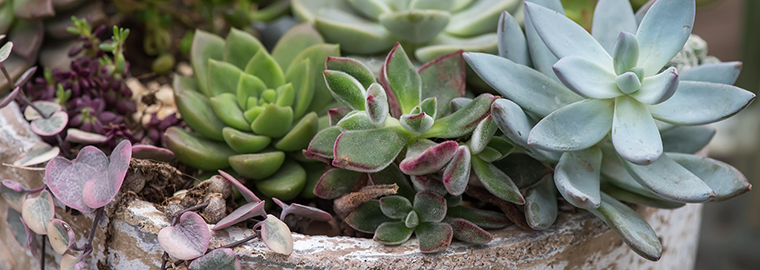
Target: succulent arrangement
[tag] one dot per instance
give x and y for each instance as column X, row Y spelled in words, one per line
column 429, row 28
column 254, row 111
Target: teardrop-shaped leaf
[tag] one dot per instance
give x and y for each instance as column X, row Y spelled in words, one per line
column 302, row 210
column 463, row 121
column 577, row 177
column 5, row 51
column 533, row 91
column 51, row 126
column 188, row 239
column 242, row 213
column 395, row 207
column 219, row 258
column 352, row 67
column 276, row 235
column 248, row 86
column 257, row 166
column 515, row 124
column 512, row 42
column 240, row 47
column 663, row 32
column 286, row 183
column 198, row 113
column 559, row 130
column 262, row 65
column 415, row 26
column 392, row 233
column 632, row 228
column 543, row 59
column 376, row 104
column 726, row 181
column 197, row 152
column 434, row 236
column 367, row 217
column 355, row 120
column 416, row 122
column 469, row 232
column 634, row 133
column 687, row 140
column 541, row 204
column 625, row 53
column 482, row 134
column 39, row 153
column 274, row 121
column 345, row 88
column 586, row 78
column 614, row 172
column 658, row 88
column 496, row 182
column 322, row 145
column 60, row 235
column 38, row 211
column 611, row 18
column 456, row 175
column 429, row 206
column 402, row 79
column 100, row 191
column 47, row 107
column 697, row 103
column 369, row 150
column 670, row 180
column 205, row 46
column 425, row 157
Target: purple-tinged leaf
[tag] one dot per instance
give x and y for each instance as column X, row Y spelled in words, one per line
column 10, row 97
column 376, row 104
column 426, row 157
column 336, row 182
column 302, row 210
column 60, row 235
column 71, row 262
column 430, row 207
column 66, row 178
column 240, row 214
column 187, row 240
column 369, row 150
column 146, row 151
column 400, row 78
column 218, row 259
column 417, row 122
column 468, row 232
column 352, row 67
column 367, row 217
column 393, row 175
column 496, row 182
column 25, row 77
column 482, row 135
column 31, row 238
column 100, row 191
column 38, row 211
column 395, row 207
column 322, row 145
column 459, row 103
column 412, row 219
column 346, row 89
column 78, row 136
column 428, row 106
column 247, row 193
column 51, row 126
column 482, row 218
column 47, row 107
column 5, row 51
column 444, row 79
column 429, row 183
column 33, row 9
column 456, row 175
column 434, row 236
column 393, row 233
column 13, row 193
column 355, row 120
column 39, row 153
column 462, row 121
column 17, row 227
column 336, row 114
column 276, row 235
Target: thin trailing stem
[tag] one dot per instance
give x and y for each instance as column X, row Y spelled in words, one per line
column 28, row 102
column 242, row 241
column 42, row 254
column 5, row 73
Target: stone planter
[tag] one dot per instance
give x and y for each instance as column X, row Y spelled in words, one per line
column 127, row 238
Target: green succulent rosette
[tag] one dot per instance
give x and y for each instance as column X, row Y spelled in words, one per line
column 253, row 110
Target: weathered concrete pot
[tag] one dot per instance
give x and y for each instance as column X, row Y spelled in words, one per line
column 127, row 239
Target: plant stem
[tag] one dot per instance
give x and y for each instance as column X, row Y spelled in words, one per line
column 28, row 102
column 242, row 241
column 98, row 215
column 193, row 208
column 42, row 254
column 5, row 72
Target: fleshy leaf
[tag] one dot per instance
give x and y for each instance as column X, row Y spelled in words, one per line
column 205, row 46
column 429, row 183
column 376, row 104
column 416, row 122
column 395, row 207
column 371, row 8
column 415, row 26
column 670, row 180
column 219, row 259
column 244, row 191
column 444, row 79
column 226, row 107
column 197, row 152
column 353, row 67
column 299, row 136
column 614, row 172
column 456, row 175
column 515, row 124
column 263, row 66
column 425, row 157
column 512, row 42
column 697, row 103
column 463, row 121
column 726, row 181
column 586, row 78
column 632, row 228
column 302, row 78
column 9, row 97
column 302, row 210
column 51, row 126
column 39, row 153
column 5, row 51
column 286, row 183
column 479, row 17
column 100, row 191
column 336, row 182
column 496, row 182
column 367, row 217
column 626, row 51
column 345, row 88
column 577, row 177
column 543, row 59
column 355, row 34
column 317, row 55
column 393, row 175
column 239, row 47
column 187, row 240
column 257, row 166
column 469, row 232
column 38, row 211
column 482, row 135
column 60, row 235
column 70, row 262
column 336, row 114
column 663, row 32
column 533, row 91
column 482, row 218
column 223, row 78
column 723, row 73
column 296, row 39
column 198, row 113
column 541, row 204
column 429, row 206
column 447, row 44
column 17, row 228
column 78, row 136
column 321, row 146
column 559, row 130
column 355, row 120
column 242, row 213
column 633, row 197
column 392, row 233
column 634, row 132
column 658, row 88
column 402, row 79
column 13, row 193
column 566, row 38
column 524, row 171
column 66, row 178
column 243, row 142
column 276, row 235
column 610, row 18
column 368, row 150
column 687, row 140
column 274, row 121
column 434, row 236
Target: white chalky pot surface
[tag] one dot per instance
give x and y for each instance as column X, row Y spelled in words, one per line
column 127, row 238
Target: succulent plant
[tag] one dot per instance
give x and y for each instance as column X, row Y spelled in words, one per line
column 253, row 110
column 576, row 83
column 429, row 28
